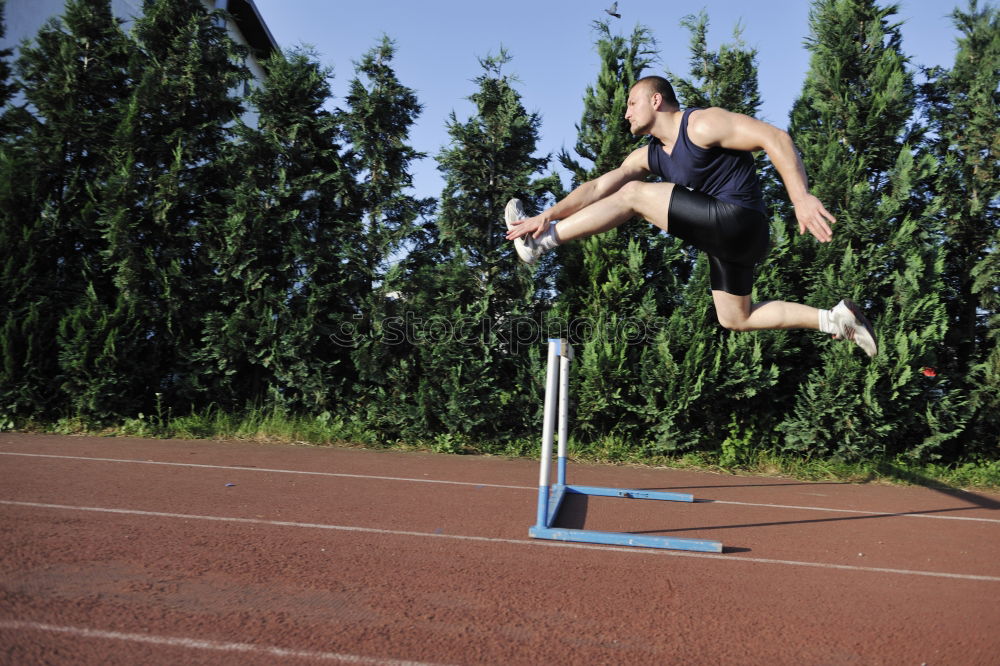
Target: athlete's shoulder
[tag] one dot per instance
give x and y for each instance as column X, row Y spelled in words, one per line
column 707, row 126
column 708, row 116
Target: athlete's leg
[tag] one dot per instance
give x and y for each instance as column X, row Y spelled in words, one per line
column 844, row 321
column 739, row 314
column 648, row 200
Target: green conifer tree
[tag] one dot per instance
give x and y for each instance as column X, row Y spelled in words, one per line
column 613, row 288
column 706, row 387
column 464, row 294
column 10, row 192
column 490, row 160
column 380, row 113
column 852, row 124
column 603, row 137
column 7, row 87
column 984, row 399
column 603, row 141
column 278, row 255
column 962, row 112
column 73, row 77
column 168, row 177
column 726, row 78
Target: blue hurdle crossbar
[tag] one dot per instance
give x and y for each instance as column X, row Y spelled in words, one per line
column 550, row 496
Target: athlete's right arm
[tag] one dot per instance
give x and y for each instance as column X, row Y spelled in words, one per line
column 635, row 167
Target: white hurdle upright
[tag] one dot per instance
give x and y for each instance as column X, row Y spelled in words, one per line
column 550, row 496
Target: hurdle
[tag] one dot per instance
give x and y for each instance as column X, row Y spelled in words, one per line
column 550, row 496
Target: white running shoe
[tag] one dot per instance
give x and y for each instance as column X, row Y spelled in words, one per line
column 526, row 246
column 851, row 324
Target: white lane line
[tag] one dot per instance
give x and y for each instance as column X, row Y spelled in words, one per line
column 238, row 468
column 856, row 511
column 520, row 542
column 200, row 644
column 372, row 477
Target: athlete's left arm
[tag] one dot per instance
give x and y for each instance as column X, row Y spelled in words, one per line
column 717, row 127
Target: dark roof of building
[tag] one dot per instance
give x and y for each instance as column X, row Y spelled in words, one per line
column 251, row 24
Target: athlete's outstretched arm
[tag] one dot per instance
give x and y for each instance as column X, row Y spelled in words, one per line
column 718, row 127
column 635, row 167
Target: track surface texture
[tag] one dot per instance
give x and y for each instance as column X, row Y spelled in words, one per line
column 129, row 551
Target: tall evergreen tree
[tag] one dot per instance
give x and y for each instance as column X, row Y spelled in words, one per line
column 706, row 387
column 278, row 256
column 984, row 400
column 74, row 77
column 378, row 121
column 7, row 87
column 603, row 137
column 468, row 290
column 852, row 125
column 726, row 78
column 380, row 113
column 490, row 159
column 10, row 192
column 613, row 288
column 962, row 112
column 168, row 177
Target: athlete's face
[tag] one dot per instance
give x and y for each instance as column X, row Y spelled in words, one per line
column 641, row 109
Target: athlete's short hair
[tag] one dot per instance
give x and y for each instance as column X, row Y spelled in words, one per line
column 658, row 84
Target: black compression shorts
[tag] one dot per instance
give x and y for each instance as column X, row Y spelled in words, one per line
column 735, row 238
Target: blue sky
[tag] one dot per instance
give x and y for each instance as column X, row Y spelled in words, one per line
column 552, row 45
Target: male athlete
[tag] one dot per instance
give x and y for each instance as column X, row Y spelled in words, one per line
column 710, row 198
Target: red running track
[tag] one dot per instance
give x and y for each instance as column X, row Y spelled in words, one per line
column 127, row 551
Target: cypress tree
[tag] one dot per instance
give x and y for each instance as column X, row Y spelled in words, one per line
column 984, row 399
column 603, row 137
column 613, row 288
column 380, row 113
column 490, row 160
column 278, row 252
column 706, row 387
column 12, row 118
column 73, row 77
column 10, row 193
column 727, row 78
column 603, row 141
column 7, row 87
column 168, row 177
column 852, row 125
column 469, row 290
column 962, row 110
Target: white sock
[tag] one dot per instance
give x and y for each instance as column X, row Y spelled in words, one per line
column 548, row 240
column 826, row 322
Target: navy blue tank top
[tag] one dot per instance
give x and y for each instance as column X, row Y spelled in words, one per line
column 727, row 175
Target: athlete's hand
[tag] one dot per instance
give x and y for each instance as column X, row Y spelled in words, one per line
column 814, row 217
column 536, row 226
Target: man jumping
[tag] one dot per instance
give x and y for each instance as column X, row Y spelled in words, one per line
column 710, row 198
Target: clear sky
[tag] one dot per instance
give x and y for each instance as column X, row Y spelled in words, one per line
column 552, row 45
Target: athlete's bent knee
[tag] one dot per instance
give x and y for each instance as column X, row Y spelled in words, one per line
column 733, row 322
column 630, row 191
column 650, row 200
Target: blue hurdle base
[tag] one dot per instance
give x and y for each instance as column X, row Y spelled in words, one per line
column 558, row 493
column 550, row 496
